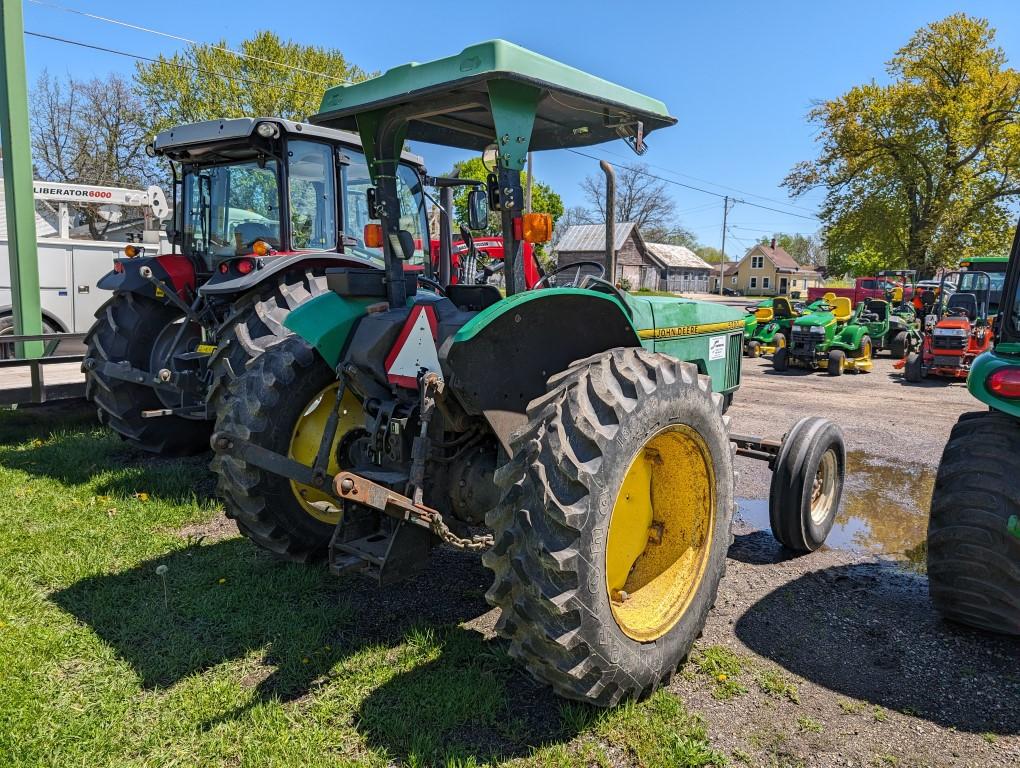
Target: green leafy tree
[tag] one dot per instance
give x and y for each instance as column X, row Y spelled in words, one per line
column 272, row 77
column 543, row 199
column 921, row 171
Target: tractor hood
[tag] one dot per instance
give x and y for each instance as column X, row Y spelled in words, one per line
column 823, row 319
column 954, row 322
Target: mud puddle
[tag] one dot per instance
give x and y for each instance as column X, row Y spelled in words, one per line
column 884, row 510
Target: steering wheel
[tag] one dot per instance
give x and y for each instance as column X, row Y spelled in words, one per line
column 957, row 311
column 431, row 284
column 578, row 267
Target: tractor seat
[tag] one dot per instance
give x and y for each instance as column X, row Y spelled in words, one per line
column 842, row 309
column 878, row 308
column 763, row 314
column 473, row 298
column 829, row 298
column 966, row 301
column 781, row 309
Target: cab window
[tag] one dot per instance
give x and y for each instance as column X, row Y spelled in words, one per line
column 312, row 196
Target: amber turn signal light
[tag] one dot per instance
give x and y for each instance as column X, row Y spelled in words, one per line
column 261, row 248
column 132, row 250
column 373, row 236
column 536, row 227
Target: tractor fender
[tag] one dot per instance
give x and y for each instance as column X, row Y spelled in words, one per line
column 327, row 321
column 173, row 270
column 236, row 285
column 502, row 359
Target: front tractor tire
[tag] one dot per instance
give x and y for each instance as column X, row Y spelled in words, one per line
column 281, row 403
column 974, row 525
column 126, row 328
column 612, row 530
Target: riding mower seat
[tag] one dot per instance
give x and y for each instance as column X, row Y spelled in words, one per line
column 781, row 309
column 829, row 298
column 473, row 297
column 965, row 301
column 763, row 315
column 842, row 309
column 879, row 309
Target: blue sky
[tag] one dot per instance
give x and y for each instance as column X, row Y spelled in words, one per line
column 739, row 76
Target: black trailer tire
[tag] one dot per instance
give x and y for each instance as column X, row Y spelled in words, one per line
column 560, row 492
column 264, row 407
column 807, row 484
column 898, row 344
column 973, row 555
column 913, row 371
column 781, row 360
column 255, row 324
column 753, row 349
column 125, row 328
column 837, row 357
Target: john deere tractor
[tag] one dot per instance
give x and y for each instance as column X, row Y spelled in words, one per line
column 974, row 526
column 572, row 431
column 261, row 208
column 828, row 339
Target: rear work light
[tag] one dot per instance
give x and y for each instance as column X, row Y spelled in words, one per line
column 244, row 266
column 1004, row 382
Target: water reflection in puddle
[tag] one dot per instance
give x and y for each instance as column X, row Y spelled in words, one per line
column 884, row 510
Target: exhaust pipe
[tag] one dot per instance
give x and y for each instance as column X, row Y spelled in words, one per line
column 610, row 220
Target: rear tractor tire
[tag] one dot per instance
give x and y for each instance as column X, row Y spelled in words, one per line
column 126, row 329
column 898, row 345
column 612, row 530
column 974, row 526
column 281, row 403
column 807, row 483
column 255, row 325
column 753, row 349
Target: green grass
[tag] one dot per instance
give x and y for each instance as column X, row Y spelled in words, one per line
column 124, row 642
column 723, row 667
column 776, row 684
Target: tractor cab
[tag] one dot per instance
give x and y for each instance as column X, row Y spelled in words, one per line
column 958, row 331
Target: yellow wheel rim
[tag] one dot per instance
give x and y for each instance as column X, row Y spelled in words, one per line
column 660, row 533
column 305, row 440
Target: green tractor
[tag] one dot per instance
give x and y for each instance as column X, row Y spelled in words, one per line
column 828, row 339
column 772, row 326
column 888, row 326
column 974, row 524
column 574, row 432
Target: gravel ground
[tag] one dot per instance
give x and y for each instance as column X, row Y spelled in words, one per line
column 880, row 679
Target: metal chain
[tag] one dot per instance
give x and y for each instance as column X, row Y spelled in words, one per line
column 442, row 530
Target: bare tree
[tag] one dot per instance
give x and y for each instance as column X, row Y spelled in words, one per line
column 640, row 198
column 89, row 132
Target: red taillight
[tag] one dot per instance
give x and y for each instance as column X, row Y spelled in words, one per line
column 244, row 266
column 1005, row 382
column 117, row 266
column 224, row 268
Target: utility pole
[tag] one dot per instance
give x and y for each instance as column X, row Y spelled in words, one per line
column 18, row 192
column 722, row 262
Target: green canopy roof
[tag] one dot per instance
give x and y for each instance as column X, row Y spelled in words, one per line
column 573, row 109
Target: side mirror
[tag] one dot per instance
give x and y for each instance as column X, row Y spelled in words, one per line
column 478, row 209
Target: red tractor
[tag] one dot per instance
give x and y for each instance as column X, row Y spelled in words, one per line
column 473, row 258
column 957, row 332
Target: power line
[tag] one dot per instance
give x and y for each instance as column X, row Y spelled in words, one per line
column 179, row 38
column 698, row 189
column 167, row 62
column 713, row 183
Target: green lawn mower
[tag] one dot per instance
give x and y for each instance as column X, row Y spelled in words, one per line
column 889, row 327
column 828, row 339
column 574, row 432
column 772, row 328
column 974, row 525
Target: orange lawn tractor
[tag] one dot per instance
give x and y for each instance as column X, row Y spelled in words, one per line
column 958, row 330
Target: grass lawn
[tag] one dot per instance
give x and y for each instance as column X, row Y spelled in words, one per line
column 136, row 629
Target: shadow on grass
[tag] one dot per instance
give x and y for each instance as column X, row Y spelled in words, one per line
column 225, row 600
column 65, row 443
column 869, row 632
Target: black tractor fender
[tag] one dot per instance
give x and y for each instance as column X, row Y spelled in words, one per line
column 503, row 359
column 172, row 270
column 232, row 284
